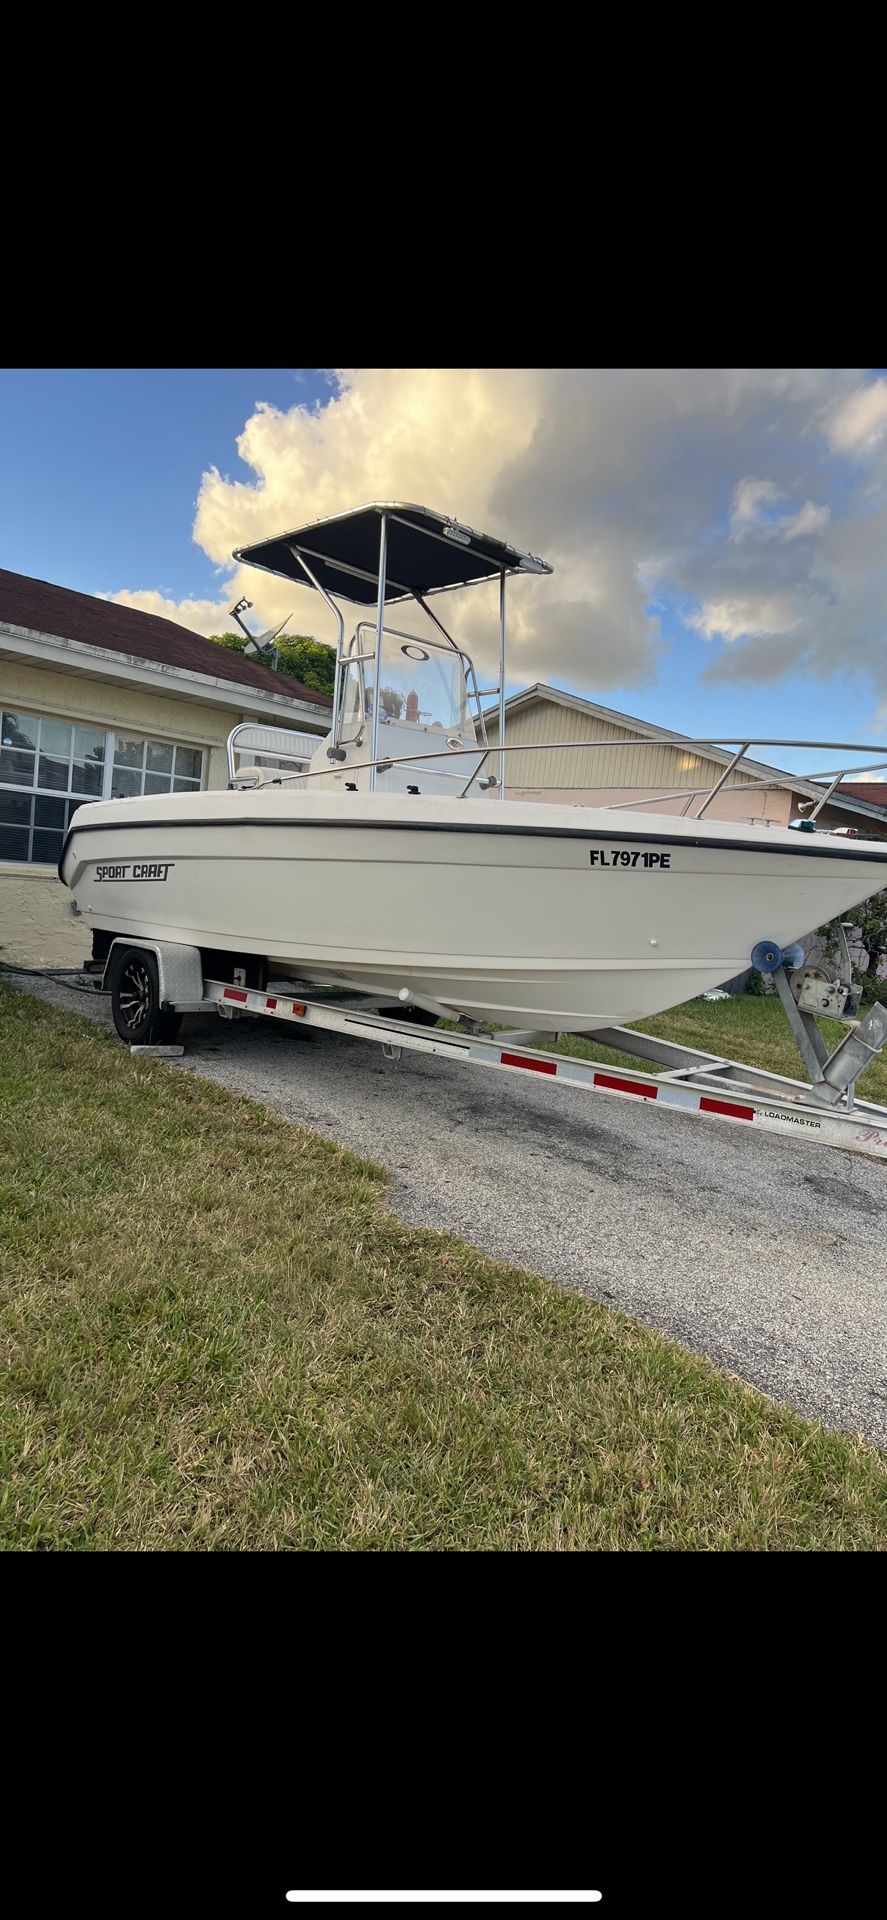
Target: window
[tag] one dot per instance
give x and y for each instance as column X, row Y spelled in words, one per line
column 152, row 766
column 49, row 768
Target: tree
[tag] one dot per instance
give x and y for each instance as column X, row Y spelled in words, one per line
column 869, row 921
column 299, row 657
column 392, row 702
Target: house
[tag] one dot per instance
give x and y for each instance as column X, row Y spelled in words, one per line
column 660, row 773
column 99, row 700
column 872, row 793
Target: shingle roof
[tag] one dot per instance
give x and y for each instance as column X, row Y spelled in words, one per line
column 873, row 793
column 44, row 608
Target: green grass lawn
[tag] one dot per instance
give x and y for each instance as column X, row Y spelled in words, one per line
column 216, row 1336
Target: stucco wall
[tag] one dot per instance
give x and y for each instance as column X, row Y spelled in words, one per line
column 36, row 928
column 81, row 696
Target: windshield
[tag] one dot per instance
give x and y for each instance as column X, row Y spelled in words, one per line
column 422, row 684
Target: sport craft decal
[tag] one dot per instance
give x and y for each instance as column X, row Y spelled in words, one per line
column 136, row 870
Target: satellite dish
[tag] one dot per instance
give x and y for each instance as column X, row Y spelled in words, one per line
column 259, row 645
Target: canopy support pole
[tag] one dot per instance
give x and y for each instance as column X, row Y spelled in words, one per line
column 502, row 683
column 380, row 621
column 340, row 645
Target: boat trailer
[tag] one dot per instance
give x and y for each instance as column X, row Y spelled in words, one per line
column 826, row 1110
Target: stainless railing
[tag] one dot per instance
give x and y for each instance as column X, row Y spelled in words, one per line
column 773, row 777
column 280, row 743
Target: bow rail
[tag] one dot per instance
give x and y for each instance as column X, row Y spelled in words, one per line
column 771, row 778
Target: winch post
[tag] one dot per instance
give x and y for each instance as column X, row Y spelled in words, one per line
column 811, row 1046
column 833, row 1076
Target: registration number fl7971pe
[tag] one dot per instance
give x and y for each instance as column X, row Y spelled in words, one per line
column 623, row 857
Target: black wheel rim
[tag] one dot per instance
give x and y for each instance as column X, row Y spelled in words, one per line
column 135, row 994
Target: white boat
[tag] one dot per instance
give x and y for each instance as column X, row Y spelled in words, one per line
column 395, row 865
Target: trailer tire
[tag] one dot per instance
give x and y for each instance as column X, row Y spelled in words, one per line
column 135, row 999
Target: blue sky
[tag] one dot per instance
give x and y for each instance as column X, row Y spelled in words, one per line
column 99, row 470
column 718, row 539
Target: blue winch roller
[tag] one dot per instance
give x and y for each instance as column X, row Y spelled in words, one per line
column 768, row 955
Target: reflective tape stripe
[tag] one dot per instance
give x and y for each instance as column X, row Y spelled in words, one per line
column 624, row 1086
column 722, row 1106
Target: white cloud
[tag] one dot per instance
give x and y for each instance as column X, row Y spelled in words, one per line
column 749, row 496
column 202, row 616
column 623, row 480
column 749, row 518
column 859, row 423
column 809, row 520
column 738, row 619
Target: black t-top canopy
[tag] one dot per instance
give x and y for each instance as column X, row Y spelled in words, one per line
column 427, row 553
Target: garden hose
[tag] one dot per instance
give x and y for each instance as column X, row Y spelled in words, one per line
column 63, row 976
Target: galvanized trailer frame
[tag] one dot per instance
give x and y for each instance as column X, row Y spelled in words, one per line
column 709, row 1085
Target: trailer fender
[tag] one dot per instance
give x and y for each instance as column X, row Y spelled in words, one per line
column 179, row 969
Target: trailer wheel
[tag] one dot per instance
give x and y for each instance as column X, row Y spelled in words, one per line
column 135, row 999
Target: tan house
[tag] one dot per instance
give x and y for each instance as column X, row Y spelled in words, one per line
column 551, row 725
column 98, row 701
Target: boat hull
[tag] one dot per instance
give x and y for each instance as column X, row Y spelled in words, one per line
column 555, row 918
